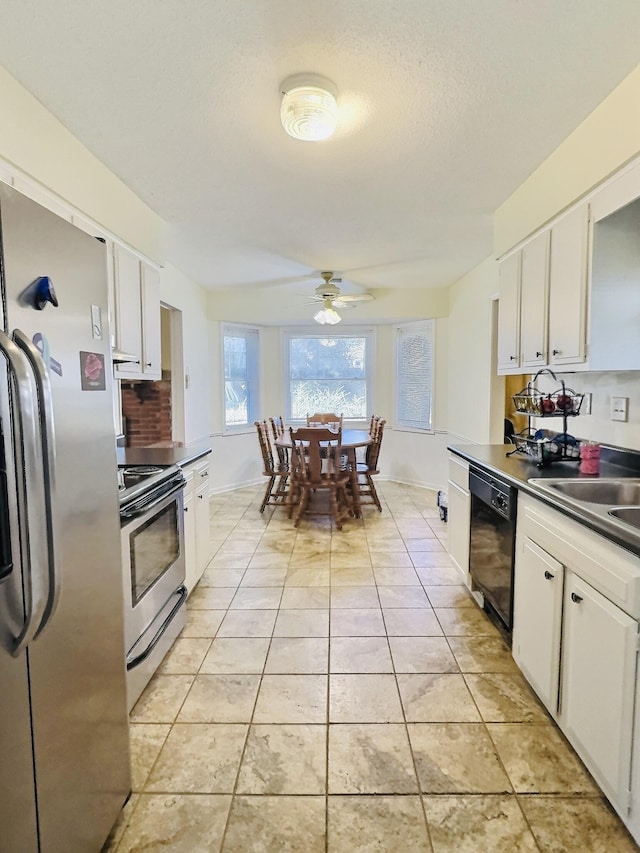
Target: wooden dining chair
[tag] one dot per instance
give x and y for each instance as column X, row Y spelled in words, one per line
column 277, row 472
column 328, row 419
column 369, row 468
column 277, row 430
column 316, row 466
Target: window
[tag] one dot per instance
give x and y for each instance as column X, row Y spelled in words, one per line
column 414, row 375
column 329, row 373
column 241, row 379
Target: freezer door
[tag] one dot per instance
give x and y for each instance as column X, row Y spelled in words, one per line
column 17, row 784
column 76, row 663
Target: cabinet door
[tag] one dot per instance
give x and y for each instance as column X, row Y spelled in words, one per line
column 458, row 524
column 150, row 295
column 509, row 314
column 534, row 301
column 203, row 547
column 568, row 287
column 192, row 576
column 598, row 685
column 128, row 316
column 537, row 616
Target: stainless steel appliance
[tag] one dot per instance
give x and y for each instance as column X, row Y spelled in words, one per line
column 152, row 524
column 64, row 752
column 492, row 541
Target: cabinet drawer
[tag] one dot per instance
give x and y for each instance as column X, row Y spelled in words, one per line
column 459, row 471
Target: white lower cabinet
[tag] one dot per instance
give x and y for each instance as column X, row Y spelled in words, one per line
column 459, row 515
column 576, row 647
column 197, row 546
column 598, row 677
column 537, row 619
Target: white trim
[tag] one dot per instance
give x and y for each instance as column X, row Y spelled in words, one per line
column 254, row 414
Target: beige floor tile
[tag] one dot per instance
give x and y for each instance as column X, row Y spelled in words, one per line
column 306, row 577
column 370, row 759
column 450, row 596
column 438, row 575
column 284, row 759
column 377, row 823
column 292, row 699
column 235, row 544
column 199, row 758
column 576, row 825
column 162, row 699
column 299, row 598
column 351, row 577
column 220, row 699
column 185, row 656
column 273, row 824
column 257, row 598
column 465, row 622
column 248, row 623
column 390, row 560
column 411, row 622
column 539, row 761
column 182, row 823
column 269, row 560
column 357, row 622
column 229, row 560
column 434, row 559
column 360, row 655
column 386, row 544
column 345, row 597
column 298, row 655
column 364, row 699
column 304, row 558
column 277, row 543
column 264, row 577
column 456, row 758
column 505, row 698
column 403, row 596
column 474, row 824
column 482, row 654
column 396, row 576
column 302, row 623
column 436, row 698
column 221, row 577
column 423, row 544
column 422, row 654
column 236, row 655
column 211, row 597
column 351, row 559
column 146, row 741
column 202, row 623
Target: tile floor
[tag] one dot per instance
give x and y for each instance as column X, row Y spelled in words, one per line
column 340, row 691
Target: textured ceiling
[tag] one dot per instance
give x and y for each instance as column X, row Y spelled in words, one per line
column 446, row 106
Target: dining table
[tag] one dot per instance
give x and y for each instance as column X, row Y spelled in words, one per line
column 350, row 441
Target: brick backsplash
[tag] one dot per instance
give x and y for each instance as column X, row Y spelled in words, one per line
column 147, row 409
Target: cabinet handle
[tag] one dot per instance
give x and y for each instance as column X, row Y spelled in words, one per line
column 556, row 352
column 201, row 497
column 576, row 598
column 538, row 355
column 204, row 474
column 186, row 508
column 148, row 364
column 548, row 576
column 513, row 358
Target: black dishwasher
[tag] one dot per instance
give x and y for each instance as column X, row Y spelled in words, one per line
column 492, row 540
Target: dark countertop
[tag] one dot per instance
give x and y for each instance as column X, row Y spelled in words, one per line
column 162, row 455
column 517, row 470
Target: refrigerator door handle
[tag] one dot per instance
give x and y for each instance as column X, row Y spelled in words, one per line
column 34, row 555
column 48, row 443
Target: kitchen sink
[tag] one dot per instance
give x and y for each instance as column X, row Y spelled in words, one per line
column 628, row 514
column 609, row 492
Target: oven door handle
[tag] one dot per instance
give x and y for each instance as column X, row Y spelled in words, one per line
column 142, row 507
column 182, row 593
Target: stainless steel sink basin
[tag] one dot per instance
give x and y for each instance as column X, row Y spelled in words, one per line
column 607, row 492
column 628, row 514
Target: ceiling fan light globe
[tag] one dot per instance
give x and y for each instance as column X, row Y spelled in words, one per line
column 327, row 316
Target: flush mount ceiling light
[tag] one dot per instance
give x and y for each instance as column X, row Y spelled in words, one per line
column 309, row 110
column 327, row 315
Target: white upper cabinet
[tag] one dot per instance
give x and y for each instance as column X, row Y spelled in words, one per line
column 534, row 301
column 509, row 314
column 568, row 287
column 137, row 303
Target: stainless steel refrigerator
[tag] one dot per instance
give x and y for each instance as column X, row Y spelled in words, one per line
column 64, row 753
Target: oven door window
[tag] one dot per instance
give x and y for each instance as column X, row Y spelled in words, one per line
column 154, row 548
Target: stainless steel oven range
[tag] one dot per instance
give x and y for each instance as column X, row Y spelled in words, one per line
column 152, row 535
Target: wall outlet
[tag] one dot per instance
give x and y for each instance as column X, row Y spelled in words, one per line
column 585, row 408
column 619, row 408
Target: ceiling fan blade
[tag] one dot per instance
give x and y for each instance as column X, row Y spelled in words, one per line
column 359, row 297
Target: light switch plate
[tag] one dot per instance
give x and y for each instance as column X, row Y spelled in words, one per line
column 619, row 408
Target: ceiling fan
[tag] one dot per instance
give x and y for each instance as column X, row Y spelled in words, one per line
column 331, row 298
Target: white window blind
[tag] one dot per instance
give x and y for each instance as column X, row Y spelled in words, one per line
column 414, row 375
